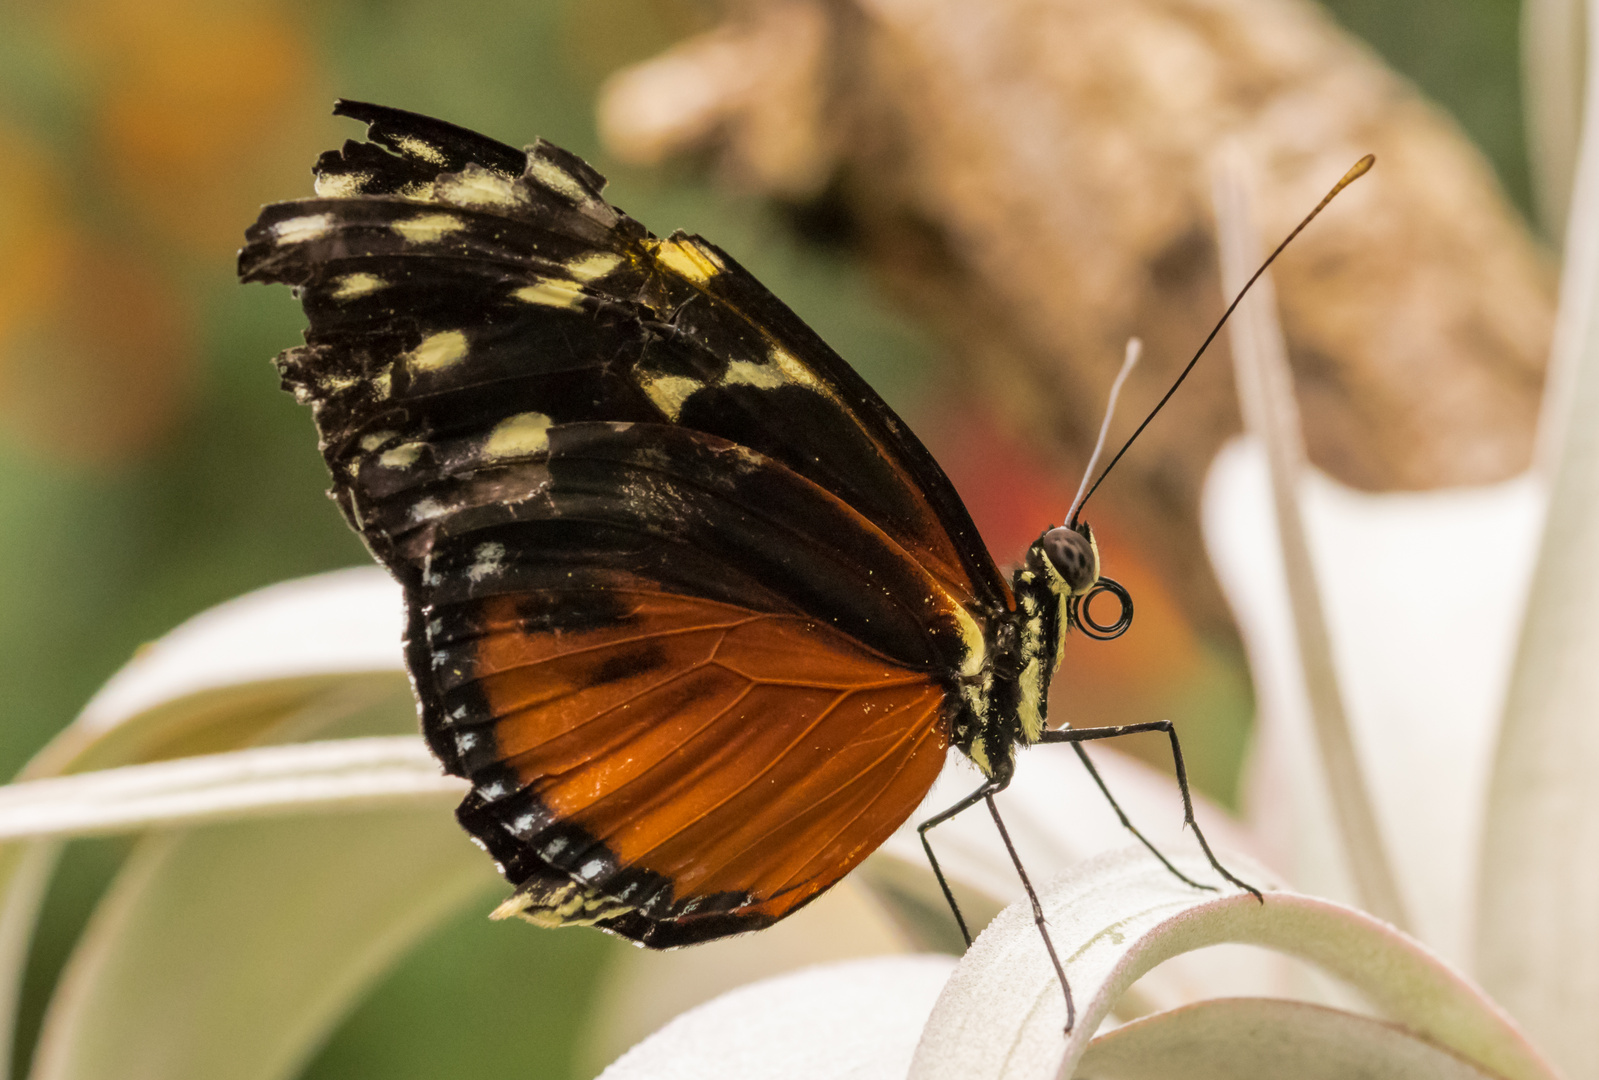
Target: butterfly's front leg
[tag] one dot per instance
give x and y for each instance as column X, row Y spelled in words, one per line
column 1078, row 736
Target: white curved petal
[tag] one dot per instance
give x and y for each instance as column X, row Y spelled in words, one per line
column 1423, row 642
column 1263, row 1039
column 316, row 777
column 1116, row 917
column 1058, row 818
column 857, row 1020
column 337, row 623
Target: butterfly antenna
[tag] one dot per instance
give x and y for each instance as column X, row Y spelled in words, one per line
column 1135, row 349
column 1360, row 169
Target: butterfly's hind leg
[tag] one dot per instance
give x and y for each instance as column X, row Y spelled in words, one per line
column 986, row 794
column 1077, row 736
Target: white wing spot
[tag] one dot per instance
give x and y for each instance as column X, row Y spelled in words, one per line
column 490, row 560
column 428, row 509
column 351, row 286
column 437, row 351
column 299, row 230
column 376, row 439
column 522, row 435
column 428, row 228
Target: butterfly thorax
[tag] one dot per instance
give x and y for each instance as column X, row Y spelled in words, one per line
column 1006, row 704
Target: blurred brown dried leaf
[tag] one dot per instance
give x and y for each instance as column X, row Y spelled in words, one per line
column 1031, row 177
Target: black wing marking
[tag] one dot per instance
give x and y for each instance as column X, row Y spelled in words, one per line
column 456, row 286
column 612, row 509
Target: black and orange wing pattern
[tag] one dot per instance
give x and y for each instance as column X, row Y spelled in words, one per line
column 686, row 598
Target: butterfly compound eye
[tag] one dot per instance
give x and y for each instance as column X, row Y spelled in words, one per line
column 1070, row 553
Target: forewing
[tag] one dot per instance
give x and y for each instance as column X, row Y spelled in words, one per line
column 448, row 278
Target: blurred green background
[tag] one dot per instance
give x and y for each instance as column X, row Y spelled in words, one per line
column 150, row 467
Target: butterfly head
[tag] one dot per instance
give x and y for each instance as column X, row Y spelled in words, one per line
column 1070, row 552
column 1065, row 560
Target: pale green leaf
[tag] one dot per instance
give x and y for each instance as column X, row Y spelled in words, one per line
column 232, row 950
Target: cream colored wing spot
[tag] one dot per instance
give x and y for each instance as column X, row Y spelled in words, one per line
column 342, row 185
column 551, row 292
column 423, row 151
column 401, row 457
column 553, row 906
column 337, row 384
column 688, row 259
column 428, row 228
column 437, row 351
column 669, row 392
column 523, row 435
column 372, row 441
column 428, row 510
column 299, row 230
column 476, row 186
column 557, row 179
column 798, row 373
column 593, row 266
column 749, row 373
column 352, row 286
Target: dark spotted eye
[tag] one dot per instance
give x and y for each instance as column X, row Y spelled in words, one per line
column 1071, row 554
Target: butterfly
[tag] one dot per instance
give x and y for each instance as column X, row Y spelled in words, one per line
column 692, row 609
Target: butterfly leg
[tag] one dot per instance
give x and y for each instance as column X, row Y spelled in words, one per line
column 1078, row 736
column 965, row 804
column 986, row 794
column 1082, row 755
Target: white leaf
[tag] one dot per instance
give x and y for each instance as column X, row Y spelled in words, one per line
column 1263, row 1039
column 1266, row 396
column 1118, row 916
column 1423, row 663
column 1538, row 940
column 298, row 778
column 168, row 981
column 857, row 1020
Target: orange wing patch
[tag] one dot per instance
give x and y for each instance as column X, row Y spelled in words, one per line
column 726, row 750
